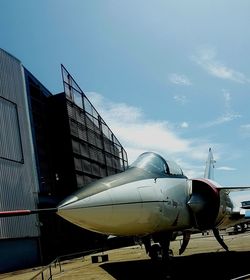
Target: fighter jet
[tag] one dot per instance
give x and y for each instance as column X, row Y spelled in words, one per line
column 153, row 200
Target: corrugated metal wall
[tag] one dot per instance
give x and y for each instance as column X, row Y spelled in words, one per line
column 18, row 176
column 97, row 151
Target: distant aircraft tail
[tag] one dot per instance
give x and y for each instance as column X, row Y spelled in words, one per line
column 209, row 170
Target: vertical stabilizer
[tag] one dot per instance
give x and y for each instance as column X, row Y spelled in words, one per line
column 209, row 170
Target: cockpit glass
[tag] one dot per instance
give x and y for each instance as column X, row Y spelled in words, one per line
column 151, row 162
column 174, row 169
column 154, row 163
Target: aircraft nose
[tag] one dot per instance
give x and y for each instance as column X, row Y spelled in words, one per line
column 114, row 206
column 92, row 212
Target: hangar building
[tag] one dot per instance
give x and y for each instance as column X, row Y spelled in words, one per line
column 50, row 146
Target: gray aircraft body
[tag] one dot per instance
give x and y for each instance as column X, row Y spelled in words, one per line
column 154, row 200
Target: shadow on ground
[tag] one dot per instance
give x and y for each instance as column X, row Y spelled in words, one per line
column 220, row 265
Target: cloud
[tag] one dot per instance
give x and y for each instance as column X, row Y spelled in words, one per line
column 226, row 168
column 184, row 125
column 222, row 119
column 138, row 134
column 227, row 99
column 228, row 116
column 179, row 79
column 207, row 59
column 116, row 111
column 181, row 99
column 245, row 130
column 151, row 135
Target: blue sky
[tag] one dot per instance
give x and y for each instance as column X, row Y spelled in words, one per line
column 167, row 76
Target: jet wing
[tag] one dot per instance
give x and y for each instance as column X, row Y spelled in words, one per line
column 234, row 187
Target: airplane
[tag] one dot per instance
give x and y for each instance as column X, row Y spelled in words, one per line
column 154, row 201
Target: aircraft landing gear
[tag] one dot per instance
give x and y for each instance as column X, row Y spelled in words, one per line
column 186, row 238
column 160, row 249
column 219, row 239
column 155, row 252
column 160, row 253
column 166, row 252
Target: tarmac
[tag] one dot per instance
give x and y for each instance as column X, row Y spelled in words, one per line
column 203, row 259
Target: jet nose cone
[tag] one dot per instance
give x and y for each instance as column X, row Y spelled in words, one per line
column 92, row 212
column 68, row 201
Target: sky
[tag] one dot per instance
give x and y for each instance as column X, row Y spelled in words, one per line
column 171, row 77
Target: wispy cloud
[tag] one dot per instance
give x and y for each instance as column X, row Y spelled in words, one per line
column 226, row 168
column 138, row 134
column 184, row 125
column 116, row 111
column 181, row 99
column 135, row 130
column 207, row 59
column 245, row 130
column 179, row 79
column 228, row 115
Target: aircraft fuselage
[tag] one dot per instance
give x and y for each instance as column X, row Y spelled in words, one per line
column 151, row 196
column 134, row 208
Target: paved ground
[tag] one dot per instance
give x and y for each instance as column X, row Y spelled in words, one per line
column 203, row 259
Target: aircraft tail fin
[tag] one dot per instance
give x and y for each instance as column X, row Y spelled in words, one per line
column 209, row 170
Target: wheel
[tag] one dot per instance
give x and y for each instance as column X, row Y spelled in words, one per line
column 155, row 252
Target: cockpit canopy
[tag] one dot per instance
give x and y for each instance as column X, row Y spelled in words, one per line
column 156, row 164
